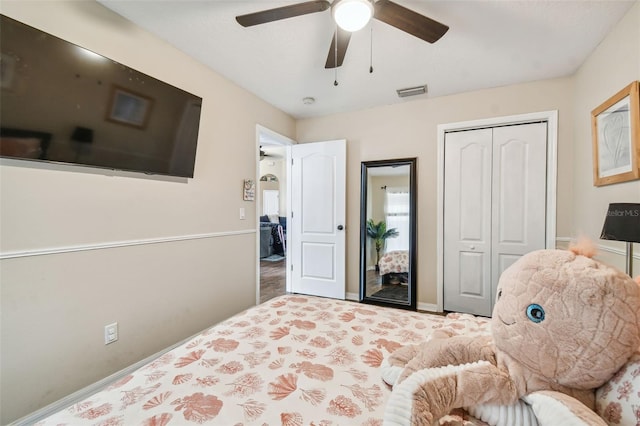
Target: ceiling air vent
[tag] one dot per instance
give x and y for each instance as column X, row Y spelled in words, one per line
column 412, row 91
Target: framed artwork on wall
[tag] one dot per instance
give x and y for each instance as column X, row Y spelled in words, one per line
column 249, row 190
column 615, row 126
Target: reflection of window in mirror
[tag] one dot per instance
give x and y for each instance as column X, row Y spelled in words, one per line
column 397, row 216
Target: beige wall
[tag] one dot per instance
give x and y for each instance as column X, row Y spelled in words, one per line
column 612, row 66
column 410, row 130
column 54, row 307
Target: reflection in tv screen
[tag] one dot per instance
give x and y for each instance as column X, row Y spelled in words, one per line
column 62, row 103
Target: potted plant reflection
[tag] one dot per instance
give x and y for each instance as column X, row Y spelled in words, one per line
column 379, row 233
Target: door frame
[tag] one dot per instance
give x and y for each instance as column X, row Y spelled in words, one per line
column 551, row 118
column 266, row 136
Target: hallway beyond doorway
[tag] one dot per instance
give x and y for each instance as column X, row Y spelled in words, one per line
column 272, row 279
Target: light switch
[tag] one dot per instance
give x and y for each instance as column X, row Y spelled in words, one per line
column 242, row 215
column 110, row 333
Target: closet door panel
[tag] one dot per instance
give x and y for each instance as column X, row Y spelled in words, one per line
column 467, row 222
column 519, row 194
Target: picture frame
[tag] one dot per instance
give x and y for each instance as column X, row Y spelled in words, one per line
column 249, row 190
column 615, row 128
column 129, row 108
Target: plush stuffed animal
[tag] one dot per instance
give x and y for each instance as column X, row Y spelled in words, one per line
column 562, row 325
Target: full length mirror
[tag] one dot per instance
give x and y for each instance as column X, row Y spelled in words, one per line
column 388, row 233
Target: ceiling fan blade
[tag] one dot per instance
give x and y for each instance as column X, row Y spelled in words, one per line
column 409, row 21
column 343, row 43
column 284, row 12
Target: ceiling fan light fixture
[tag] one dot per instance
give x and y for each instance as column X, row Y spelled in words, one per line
column 352, row 15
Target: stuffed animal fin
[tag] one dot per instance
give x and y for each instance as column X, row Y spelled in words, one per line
column 555, row 408
column 583, row 247
column 393, row 366
column 456, row 350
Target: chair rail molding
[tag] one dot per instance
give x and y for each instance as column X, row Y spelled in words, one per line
column 118, row 244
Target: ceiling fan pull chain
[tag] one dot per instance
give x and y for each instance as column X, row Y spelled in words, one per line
column 371, row 51
column 335, row 51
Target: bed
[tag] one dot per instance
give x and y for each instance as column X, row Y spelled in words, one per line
column 295, row 360
column 394, row 267
column 20, row 143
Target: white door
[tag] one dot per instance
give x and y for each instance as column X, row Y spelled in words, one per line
column 519, row 194
column 467, row 224
column 316, row 232
column 495, row 204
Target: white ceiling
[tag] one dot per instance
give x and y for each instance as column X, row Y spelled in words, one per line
column 489, row 44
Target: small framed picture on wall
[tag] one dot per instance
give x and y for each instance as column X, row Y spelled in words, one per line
column 249, row 192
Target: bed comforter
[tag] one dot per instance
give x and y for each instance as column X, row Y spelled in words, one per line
column 295, row 360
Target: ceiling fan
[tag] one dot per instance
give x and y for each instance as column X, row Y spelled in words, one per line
column 264, row 154
column 350, row 16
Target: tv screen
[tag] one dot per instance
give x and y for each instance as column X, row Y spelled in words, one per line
column 62, row 103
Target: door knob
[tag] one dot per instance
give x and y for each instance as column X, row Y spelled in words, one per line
column 472, row 247
column 340, row 227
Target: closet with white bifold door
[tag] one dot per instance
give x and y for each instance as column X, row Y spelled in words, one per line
column 494, row 202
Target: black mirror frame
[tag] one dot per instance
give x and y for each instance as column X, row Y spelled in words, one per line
column 412, row 275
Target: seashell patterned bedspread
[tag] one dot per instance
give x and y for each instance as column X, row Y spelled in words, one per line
column 295, row 360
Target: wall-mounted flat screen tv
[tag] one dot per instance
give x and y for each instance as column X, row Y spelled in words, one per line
column 62, row 103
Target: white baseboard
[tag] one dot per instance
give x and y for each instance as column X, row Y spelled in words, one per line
column 353, row 297
column 429, row 307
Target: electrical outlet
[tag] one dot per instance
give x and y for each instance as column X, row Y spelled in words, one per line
column 110, row 333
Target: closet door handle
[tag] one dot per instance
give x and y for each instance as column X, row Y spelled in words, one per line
column 472, row 247
column 340, row 227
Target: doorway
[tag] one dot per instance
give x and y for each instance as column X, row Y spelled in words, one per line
column 272, row 208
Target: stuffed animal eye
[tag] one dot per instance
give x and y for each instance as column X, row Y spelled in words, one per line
column 535, row 312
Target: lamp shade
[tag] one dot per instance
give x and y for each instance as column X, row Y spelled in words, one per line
column 622, row 223
column 82, row 134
